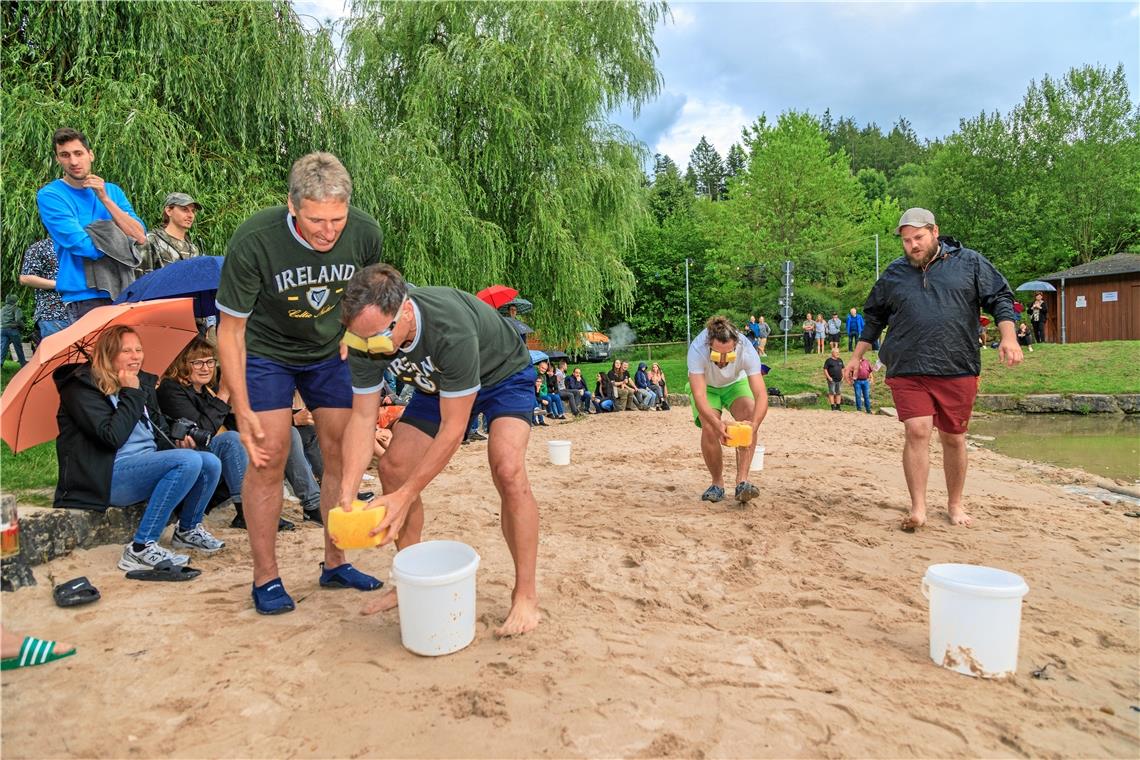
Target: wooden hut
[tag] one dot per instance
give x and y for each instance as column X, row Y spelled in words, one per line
column 1099, row 300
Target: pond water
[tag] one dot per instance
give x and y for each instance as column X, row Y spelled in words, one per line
column 1103, row 444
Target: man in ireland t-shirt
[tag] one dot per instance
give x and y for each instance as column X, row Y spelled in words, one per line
column 463, row 359
column 725, row 373
column 285, row 272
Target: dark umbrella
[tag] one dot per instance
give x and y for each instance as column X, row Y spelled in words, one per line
column 522, row 328
column 195, row 278
column 497, row 295
column 556, row 356
column 524, row 306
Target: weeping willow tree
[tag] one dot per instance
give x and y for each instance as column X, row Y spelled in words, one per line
column 489, row 153
column 212, row 99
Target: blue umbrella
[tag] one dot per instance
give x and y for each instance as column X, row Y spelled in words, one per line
column 195, row 278
column 538, row 356
column 1036, row 285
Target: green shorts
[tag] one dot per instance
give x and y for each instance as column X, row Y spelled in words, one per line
column 720, row 398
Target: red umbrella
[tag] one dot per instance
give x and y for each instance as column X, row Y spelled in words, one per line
column 983, row 320
column 30, row 401
column 496, row 295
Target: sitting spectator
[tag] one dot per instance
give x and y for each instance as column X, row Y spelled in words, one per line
column 657, row 377
column 1025, row 335
column 541, row 403
column 605, row 395
column 572, row 399
column 576, row 386
column 554, row 401
column 556, row 386
column 114, row 449
column 306, row 426
column 622, row 387
column 646, row 388
column 187, row 393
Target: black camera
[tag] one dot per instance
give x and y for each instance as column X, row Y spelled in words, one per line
column 181, row 428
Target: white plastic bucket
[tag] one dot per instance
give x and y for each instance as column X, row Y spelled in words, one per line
column 559, row 451
column 436, row 583
column 975, row 618
column 757, row 460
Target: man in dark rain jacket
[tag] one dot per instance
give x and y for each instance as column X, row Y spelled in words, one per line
column 930, row 299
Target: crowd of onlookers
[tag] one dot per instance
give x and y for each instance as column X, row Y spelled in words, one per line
column 558, row 392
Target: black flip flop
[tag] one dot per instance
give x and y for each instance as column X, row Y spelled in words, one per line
column 75, row 592
column 165, row 571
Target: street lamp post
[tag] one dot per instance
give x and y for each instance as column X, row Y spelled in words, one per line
column 688, row 323
column 876, row 256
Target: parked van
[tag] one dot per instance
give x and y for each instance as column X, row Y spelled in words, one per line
column 592, row 346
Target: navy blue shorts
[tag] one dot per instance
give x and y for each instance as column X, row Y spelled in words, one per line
column 270, row 384
column 513, row 397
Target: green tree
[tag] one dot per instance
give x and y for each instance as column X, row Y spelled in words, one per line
column 874, row 183
column 736, row 161
column 668, row 194
column 708, row 169
column 213, row 99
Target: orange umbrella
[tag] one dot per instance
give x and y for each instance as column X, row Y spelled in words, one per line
column 30, row 401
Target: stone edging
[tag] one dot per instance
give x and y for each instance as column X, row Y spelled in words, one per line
column 1057, row 403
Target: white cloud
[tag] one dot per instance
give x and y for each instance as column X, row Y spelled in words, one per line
column 682, row 16
column 718, row 121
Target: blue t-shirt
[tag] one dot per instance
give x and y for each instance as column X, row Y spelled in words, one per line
column 141, row 440
column 66, row 212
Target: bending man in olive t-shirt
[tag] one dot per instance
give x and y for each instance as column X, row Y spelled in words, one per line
column 279, row 300
column 463, row 359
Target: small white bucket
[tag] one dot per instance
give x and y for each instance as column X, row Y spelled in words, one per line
column 757, row 460
column 975, row 618
column 559, row 451
column 436, row 583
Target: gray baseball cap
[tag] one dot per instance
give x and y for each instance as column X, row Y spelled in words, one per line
column 915, row 217
column 181, row 199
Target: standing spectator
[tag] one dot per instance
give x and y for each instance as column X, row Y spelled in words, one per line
column 576, row 386
column 753, row 331
column 68, row 205
column 809, row 332
column 833, row 376
column 280, row 296
column 820, row 333
column 1038, row 314
column 833, row 326
column 864, row 378
column 854, row 327
column 930, row 298
column 171, row 242
column 763, row 330
column 38, row 271
column 11, row 329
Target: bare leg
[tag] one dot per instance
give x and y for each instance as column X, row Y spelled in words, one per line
column 261, row 495
column 954, row 463
column 742, row 410
column 330, row 427
column 714, row 457
column 405, row 450
column 916, row 468
column 506, row 453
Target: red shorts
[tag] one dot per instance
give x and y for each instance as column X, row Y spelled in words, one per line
column 950, row 400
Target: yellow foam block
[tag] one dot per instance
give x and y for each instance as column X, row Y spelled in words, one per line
column 739, row 435
column 349, row 530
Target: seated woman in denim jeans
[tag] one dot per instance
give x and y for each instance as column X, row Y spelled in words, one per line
column 114, row 449
column 187, row 393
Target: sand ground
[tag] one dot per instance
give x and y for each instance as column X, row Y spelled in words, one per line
column 794, row 627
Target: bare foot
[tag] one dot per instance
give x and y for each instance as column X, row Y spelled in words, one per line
column 522, row 618
column 916, row 519
column 959, row 516
column 382, row 603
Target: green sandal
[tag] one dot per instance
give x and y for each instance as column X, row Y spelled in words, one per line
column 34, row 651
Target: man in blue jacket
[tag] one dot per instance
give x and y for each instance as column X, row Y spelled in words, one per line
column 67, row 205
column 931, row 298
column 854, row 327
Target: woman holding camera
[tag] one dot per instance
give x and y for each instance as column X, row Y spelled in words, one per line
column 187, row 395
column 114, row 448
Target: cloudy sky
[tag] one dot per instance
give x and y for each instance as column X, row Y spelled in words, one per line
column 725, row 64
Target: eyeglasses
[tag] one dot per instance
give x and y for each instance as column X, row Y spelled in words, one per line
column 204, row 363
column 379, row 344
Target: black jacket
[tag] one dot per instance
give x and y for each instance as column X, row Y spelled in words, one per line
column 933, row 315
column 206, row 410
column 92, row 430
